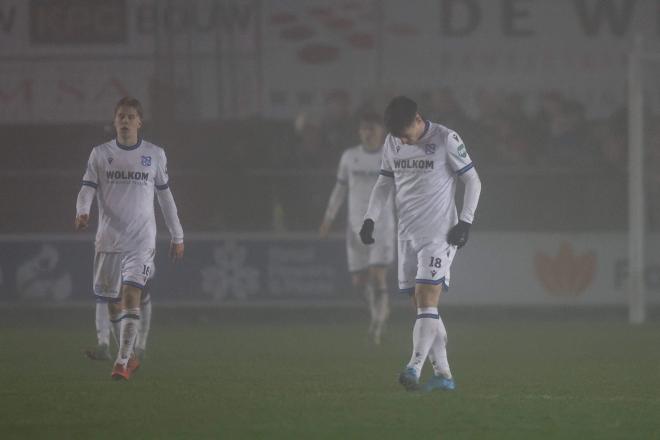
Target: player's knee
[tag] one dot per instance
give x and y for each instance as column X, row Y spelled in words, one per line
column 427, row 295
column 359, row 279
column 131, row 296
column 377, row 276
column 114, row 309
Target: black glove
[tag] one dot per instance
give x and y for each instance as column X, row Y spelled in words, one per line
column 367, row 232
column 458, row 235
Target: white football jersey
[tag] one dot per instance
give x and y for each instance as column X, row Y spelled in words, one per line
column 125, row 179
column 425, row 180
column 359, row 169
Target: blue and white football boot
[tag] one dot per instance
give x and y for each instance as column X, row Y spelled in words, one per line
column 408, row 378
column 439, row 383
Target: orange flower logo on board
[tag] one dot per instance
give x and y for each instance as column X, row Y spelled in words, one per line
column 566, row 274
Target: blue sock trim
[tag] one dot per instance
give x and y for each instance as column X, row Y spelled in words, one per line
column 409, row 290
column 131, row 316
column 105, row 299
column 114, row 321
column 428, row 315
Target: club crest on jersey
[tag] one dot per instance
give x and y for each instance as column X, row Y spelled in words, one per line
column 110, row 160
column 430, row 148
column 462, row 151
column 146, row 161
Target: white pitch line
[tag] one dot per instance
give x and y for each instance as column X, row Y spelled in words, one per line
column 569, row 398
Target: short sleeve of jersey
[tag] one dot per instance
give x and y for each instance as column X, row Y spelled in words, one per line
column 162, row 179
column 342, row 171
column 458, row 157
column 386, row 163
column 91, row 176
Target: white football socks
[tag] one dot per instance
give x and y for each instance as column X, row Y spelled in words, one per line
column 145, row 324
column 370, row 296
column 424, row 333
column 382, row 305
column 115, row 322
column 130, row 322
column 102, row 324
column 382, row 312
column 438, row 352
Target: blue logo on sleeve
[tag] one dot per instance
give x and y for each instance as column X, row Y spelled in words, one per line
column 146, row 161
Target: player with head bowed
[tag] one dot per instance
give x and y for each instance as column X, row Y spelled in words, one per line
column 124, row 174
column 421, row 162
column 356, row 176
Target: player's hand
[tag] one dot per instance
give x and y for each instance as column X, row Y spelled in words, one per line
column 81, row 222
column 324, row 229
column 458, row 235
column 367, row 232
column 176, row 251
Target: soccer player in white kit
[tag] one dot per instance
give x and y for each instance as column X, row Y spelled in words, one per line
column 124, row 174
column 358, row 171
column 421, row 163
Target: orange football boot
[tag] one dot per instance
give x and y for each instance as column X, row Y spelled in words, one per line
column 133, row 364
column 120, row 371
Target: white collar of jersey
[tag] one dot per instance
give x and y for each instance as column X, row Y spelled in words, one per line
column 129, row 147
column 427, row 126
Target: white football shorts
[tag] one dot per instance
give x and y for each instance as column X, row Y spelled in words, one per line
column 112, row 269
column 426, row 262
column 362, row 256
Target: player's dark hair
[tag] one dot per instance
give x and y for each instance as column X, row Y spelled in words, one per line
column 129, row 101
column 370, row 117
column 399, row 114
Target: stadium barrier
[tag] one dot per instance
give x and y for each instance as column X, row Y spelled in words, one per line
column 494, row 269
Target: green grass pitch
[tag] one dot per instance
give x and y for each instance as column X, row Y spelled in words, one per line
column 311, row 374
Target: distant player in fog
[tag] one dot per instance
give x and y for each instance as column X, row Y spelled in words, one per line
column 124, row 174
column 356, row 176
column 421, row 163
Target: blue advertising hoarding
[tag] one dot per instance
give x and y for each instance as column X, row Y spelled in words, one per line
column 216, row 268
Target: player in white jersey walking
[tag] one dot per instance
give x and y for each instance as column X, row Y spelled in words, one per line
column 124, row 174
column 421, row 163
column 357, row 174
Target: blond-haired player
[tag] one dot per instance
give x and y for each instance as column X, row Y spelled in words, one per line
column 124, row 174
